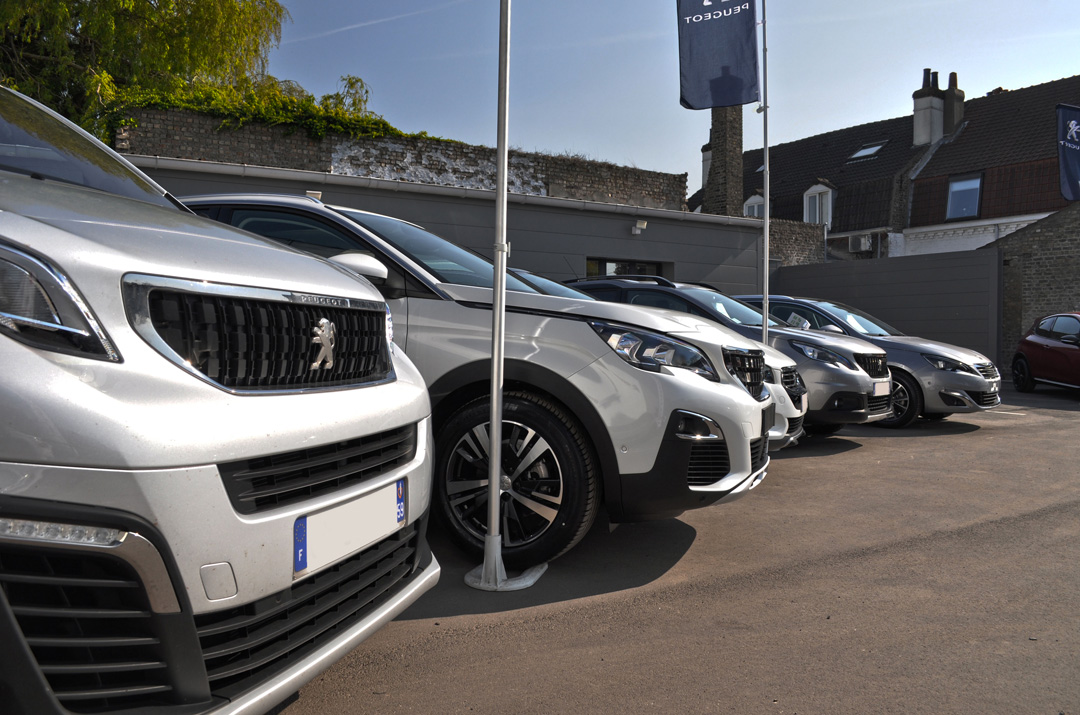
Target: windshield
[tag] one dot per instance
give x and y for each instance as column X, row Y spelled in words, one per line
column 41, row 145
column 550, row 287
column 857, row 320
column 734, row 310
column 442, row 259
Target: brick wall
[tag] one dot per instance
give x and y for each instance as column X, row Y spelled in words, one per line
column 186, row 135
column 1040, row 265
column 795, row 243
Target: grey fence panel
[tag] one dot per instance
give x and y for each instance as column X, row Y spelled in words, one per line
column 951, row 297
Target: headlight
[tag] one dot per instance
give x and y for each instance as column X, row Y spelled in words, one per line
column 651, row 351
column 949, row 365
column 815, row 353
column 772, row 376
column 40, row 307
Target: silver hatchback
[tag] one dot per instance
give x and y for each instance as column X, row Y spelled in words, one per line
column 930, row 378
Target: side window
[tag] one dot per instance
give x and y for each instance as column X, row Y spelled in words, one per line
column 298, row 231
column 655, row 299
column 1066, row 325
column 612, row 295
column 785, row 311
column 1046, row 327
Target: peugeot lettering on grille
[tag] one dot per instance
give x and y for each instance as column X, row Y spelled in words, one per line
column 325, row 338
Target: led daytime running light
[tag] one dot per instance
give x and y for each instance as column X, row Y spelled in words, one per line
column 58, row 533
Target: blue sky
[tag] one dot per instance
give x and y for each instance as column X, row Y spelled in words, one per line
column 601, row 78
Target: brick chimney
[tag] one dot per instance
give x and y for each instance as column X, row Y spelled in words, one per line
column 723, row 187
column 954, row 106
column 929, row 110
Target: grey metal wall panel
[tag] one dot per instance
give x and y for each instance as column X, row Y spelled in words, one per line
column 952, row 297
column 553, row 238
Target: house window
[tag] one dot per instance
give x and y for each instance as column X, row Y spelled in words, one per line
column 963, row 198
column 817, row 205
column 867, row 150
column 612, row 267
column 754, row 206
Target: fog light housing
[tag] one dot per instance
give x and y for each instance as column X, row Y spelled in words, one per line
column 695, row 427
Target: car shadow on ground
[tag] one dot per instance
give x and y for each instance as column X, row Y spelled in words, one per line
column 1044, row 397
column 817, row 446
column 607, row 560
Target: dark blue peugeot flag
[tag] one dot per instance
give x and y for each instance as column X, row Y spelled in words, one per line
column 717, row 53
column 1069, row 150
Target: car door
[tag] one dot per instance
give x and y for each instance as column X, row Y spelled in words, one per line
column 1062, row 353
column 1041, row 345
column 306, row 232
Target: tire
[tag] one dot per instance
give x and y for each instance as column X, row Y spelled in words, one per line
column 1021, row 375
column 907, row 402
column 547, row 508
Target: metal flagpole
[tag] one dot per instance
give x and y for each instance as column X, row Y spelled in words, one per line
column 765, row 234
column 491, row 575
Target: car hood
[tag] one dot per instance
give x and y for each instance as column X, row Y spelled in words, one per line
column 843, row 344
column 931, row 347
column 104, row 230
column 655, row 319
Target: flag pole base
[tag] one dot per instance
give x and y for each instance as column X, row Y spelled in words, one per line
column 491, row 575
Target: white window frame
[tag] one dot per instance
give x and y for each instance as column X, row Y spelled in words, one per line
column 754, row 207
column 959, row 185
column 821, row 198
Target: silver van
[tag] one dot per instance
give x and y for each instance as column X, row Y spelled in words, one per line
column 215, row 466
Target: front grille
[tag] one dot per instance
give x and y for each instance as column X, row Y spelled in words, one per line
column 88, row 623
column 985, row 399
column 748, row 366
column 709, row 463
column 250, row 644
column 875, row 365
column 878, row 404
column 254, row 344
column 255, row 485
column 759, row 453
column 794, row 425
column 988, row 371
column 793, row 382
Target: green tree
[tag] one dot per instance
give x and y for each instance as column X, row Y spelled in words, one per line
column 73, row 55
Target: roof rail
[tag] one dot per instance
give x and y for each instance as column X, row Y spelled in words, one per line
column 659, row 280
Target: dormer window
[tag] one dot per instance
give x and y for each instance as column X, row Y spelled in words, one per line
column 817, row 204
column 867, row 150
column 754, row 206
column 963, row 198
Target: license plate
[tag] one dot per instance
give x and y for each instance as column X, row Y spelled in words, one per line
column 768, row 419
column 322, row 538
column 881, row 389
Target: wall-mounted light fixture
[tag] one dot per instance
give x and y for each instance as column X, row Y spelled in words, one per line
column 639, row 226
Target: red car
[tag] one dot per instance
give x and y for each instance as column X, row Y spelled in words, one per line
column 1049, row 353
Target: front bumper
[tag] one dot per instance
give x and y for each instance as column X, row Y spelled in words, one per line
column 957, row 392
column 110, row 627
column 841, row 396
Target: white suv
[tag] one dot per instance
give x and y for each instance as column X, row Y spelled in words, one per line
column 215, row 467
column 651, row 413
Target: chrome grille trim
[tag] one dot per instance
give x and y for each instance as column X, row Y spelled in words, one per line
column 875, row 365
column 258, row 340
column 988, row 370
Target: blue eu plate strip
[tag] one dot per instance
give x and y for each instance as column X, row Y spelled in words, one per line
column 400, row 501
column 300, row 544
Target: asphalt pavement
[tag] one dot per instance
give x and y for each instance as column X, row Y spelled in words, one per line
column 934, row 569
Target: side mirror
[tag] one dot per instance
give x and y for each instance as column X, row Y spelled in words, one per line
column 362, row 264
column 1071, row 339
column 830, row 328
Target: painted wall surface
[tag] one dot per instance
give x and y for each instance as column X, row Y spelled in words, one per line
column 951, row 297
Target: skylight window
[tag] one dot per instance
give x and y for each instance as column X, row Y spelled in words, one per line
column 868, row 150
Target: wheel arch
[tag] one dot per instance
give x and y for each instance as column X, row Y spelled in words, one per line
column 473, row 380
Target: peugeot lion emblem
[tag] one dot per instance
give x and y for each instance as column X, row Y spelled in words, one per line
column 325, row 337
